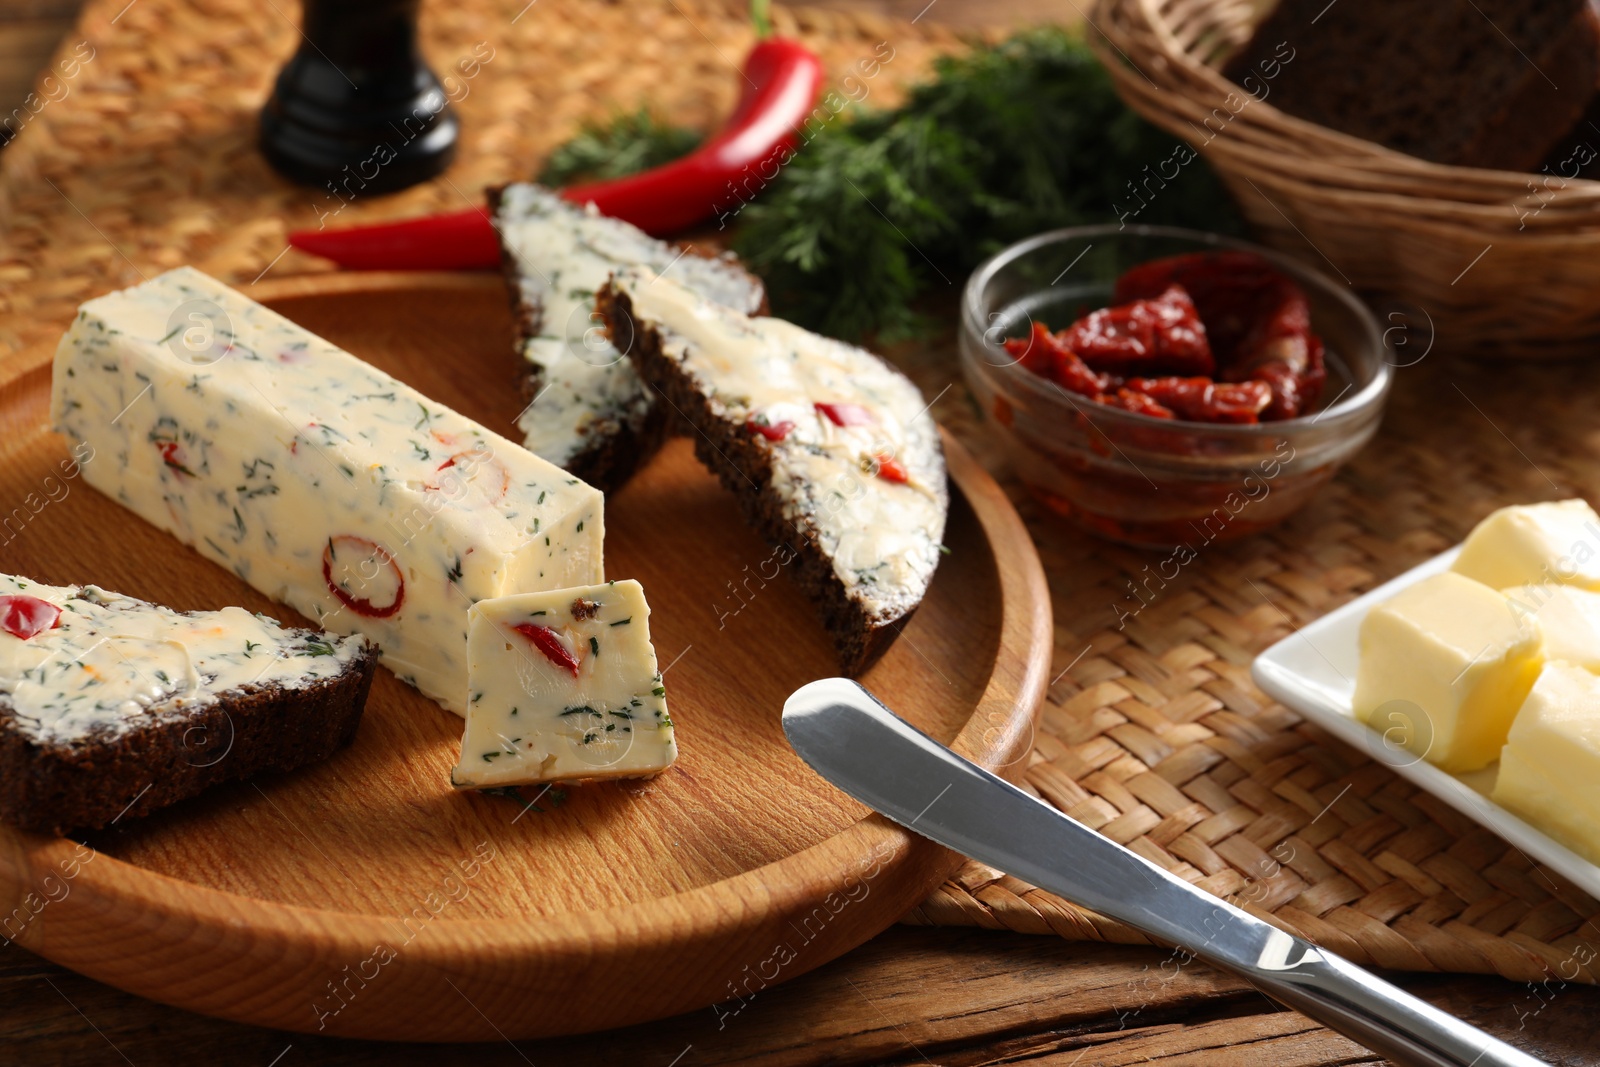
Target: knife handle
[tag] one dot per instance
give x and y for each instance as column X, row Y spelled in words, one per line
column 1384, row 1017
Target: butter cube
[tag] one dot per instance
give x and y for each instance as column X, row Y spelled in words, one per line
column 563, row 685
column 1550, row 767
column 1459, row 659
column 1568, row 617
column 1556, row 543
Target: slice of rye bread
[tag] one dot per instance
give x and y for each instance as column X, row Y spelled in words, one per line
column 112, row 767
column 1495, row 83
column 587, row 410
column 824, row 489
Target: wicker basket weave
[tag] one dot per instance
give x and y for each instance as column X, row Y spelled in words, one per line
column 1501, row 263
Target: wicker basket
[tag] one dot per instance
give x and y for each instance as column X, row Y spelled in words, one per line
column 1483, row 262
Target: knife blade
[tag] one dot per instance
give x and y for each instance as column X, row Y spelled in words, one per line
column 858, row 744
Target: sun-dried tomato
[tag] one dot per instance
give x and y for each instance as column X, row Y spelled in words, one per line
column 1203, row 400
column 1207, row 337
column 1258, row 321
column 1281, row 349
column 1225, row 288
column 1047, row 355
column 1160, row 335
column 1145, row 404
column 1035, row 352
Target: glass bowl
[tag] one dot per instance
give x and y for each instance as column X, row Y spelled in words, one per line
column 1140, row 480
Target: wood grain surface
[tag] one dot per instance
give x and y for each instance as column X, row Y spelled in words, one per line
column 364, row 897
column 908, row 998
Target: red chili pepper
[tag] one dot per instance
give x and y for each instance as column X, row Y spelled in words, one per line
column 772, row 431
column 172, row 456
column 890, row 469
column 547, row 641
column 459, row 240
column 372, row 550
column 846, row 414
column 471, row 463
column 27, row 616
column 781, row 81
column 781, row 78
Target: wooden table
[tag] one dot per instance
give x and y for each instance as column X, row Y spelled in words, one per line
column 911, row 996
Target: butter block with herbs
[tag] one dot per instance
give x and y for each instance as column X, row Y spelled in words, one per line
column 564, row 686
column 320, row 480
column 1444, row 666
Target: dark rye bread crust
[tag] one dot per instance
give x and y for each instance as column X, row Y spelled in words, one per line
column 610, row 458
column 744, row 467
column 53, row 789
column 1496, row 84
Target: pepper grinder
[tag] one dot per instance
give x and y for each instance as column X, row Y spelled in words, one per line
column 357, row 109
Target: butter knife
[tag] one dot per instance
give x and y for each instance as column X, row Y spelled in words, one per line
column 853, row 741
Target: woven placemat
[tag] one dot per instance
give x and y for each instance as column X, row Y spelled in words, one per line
column 1153, row 733
column 143, row 159
column 146, row 153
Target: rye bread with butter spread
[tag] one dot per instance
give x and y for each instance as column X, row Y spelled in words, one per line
column 831, row 452
column 587, row 411
column 1495, row 83
column 124, row 707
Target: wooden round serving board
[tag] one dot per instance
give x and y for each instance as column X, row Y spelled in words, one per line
column 363, row 897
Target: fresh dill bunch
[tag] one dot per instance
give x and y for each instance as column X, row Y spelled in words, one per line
column 879, row 217
column 887, row 212
column 839, row 237
column 627, row 144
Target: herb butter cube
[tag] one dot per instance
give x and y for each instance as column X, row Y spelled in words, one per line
column 564, row 686
column 1555, row 543
column 1444, row 666
column 320, row 480
column 1569, row 619
column 1550, row 767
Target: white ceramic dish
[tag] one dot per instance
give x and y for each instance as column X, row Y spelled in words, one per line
column 1313, row 671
